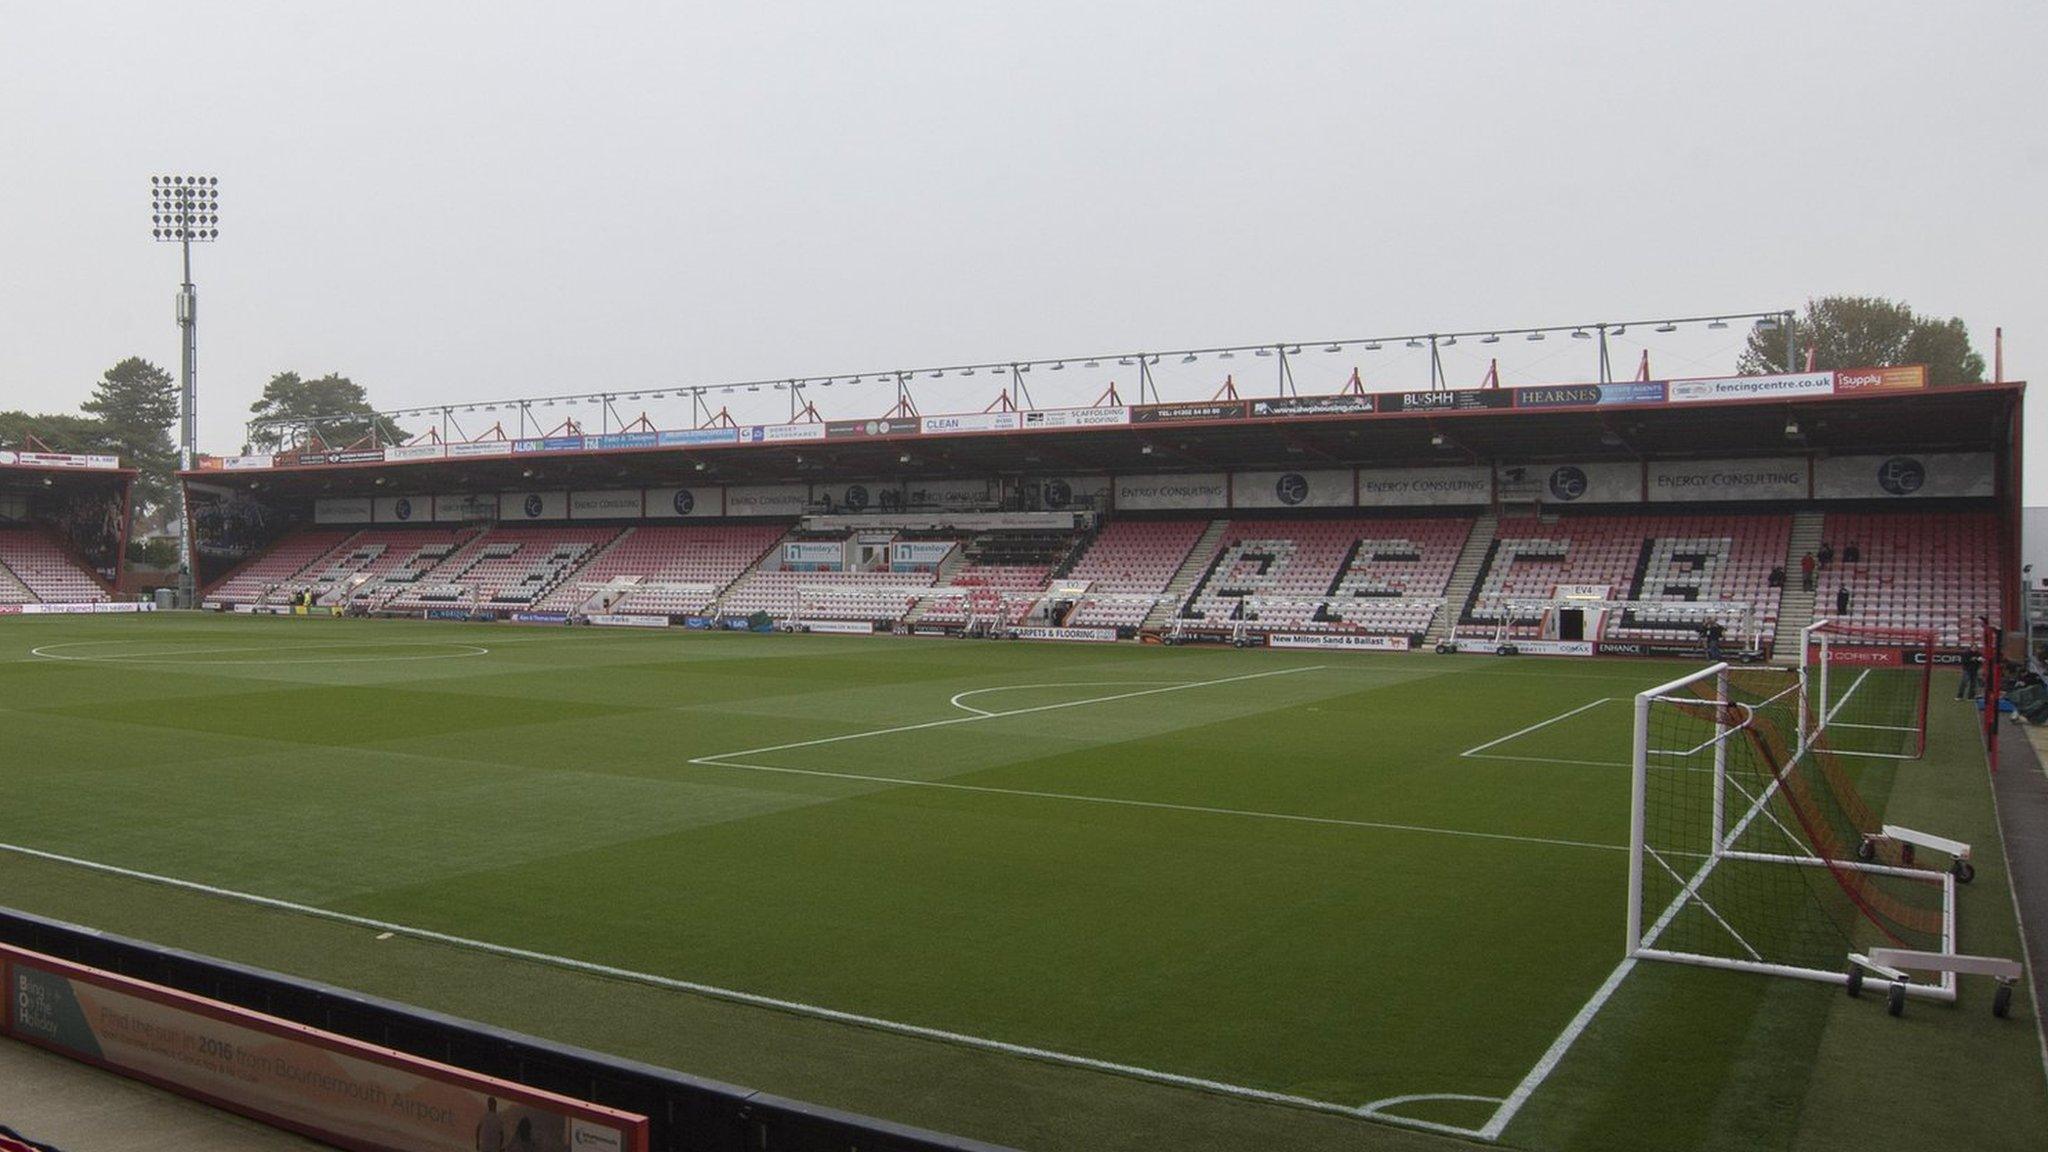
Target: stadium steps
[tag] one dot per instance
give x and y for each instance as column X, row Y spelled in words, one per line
column 942, row 581
column 1795, row 603
column 569, row 573
column 1464, row 577
column 717, row 605
column 1192, row 568
column 13, row 589
column 299, row 578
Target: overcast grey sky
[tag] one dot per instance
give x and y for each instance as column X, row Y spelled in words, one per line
column 453, row 202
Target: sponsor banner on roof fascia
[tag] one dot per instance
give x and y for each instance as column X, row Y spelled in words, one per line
column 416, row 452
column 343, row 510
column 1902, row 378
column 839, row 627
column 845, row 429
column 480, row 448
column 1470, row 484
column 678, row 503
column 1446, row 400
column 1093, row 635
column 466, row 507
column 610, row 620
column 1338, row 641
column 533, row 506
column 60, row 460
column 609, row 504
column 1751, row 387
column 970, row 422
column 1183, row 413
column 1195, row 490
column 1058, row 493
column 549, row 444
column 243, row 463
column 767, row 499
column 1323, row 488
column 1077, row 417
column 1602, row 482
column 345, row 456
column 1590, row 395
column 1290, row 406
column 1903, row 475
column 325, row 1085
column 613, row 440
column 782, row 433
column 404, row 509
column 694, row 436
column 1775, row 478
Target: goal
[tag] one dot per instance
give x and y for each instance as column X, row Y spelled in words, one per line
column 1866, row 688
column 1751, row 847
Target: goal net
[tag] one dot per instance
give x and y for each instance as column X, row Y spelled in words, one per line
column 1866, row 688
column 1751, row 847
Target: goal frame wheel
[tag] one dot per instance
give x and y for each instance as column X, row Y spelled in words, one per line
column 2001, row 1000
column 1963, row 871
column 1854, row 982
column 1895, row 999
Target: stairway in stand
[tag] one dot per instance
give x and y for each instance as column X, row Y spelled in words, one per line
column 1471, row 565
column 1191, row 568
column 1795, row 603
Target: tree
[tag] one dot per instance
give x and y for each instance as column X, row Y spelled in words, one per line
column 332, row 409
column 1867, row 332
column 60, row 432
column 136, row 403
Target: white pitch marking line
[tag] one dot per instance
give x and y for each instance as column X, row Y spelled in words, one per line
column 750, row 998
column 1555, row 1053
column 178, row 655
column 951, row 720
column 959, row 696
column 1201, row 809
column 1538, row 726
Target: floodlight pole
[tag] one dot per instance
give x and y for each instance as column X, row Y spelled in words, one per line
column 184, row 209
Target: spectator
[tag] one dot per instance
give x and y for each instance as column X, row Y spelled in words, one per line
column 1806, row 571
column 1714, row 633
column 1777, row 579
column 1842, row 600
column 1851, row 554
column 1826, row 556
column 1966, row 688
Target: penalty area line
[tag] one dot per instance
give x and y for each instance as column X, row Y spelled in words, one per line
column 757, row 1000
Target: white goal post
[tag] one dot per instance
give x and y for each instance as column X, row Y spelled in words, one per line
column 1749, row 848
column 1866, row 688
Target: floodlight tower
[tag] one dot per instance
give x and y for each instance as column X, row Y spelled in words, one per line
column 184, row 210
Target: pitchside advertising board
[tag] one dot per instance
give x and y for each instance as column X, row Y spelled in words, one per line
column 328, row 1086
column 1606, row 482
column 1310, row 489
column 1338, row 642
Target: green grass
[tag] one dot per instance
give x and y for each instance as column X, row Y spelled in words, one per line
column 1290, row 882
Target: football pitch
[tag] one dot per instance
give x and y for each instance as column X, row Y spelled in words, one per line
column 1054, row 896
